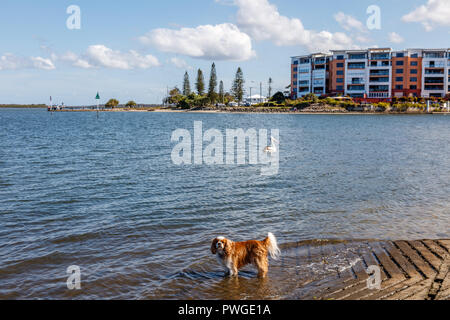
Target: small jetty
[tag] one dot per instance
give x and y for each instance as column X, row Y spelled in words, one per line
column 101, row 108
column 66, row 108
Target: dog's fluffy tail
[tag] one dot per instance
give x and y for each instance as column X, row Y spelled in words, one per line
column 272, row 246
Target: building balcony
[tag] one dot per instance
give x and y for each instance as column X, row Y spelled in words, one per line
column 434, row 55
column 357, row 57
column 356, row 66
column 357, row 88
column 379, row 80
column 434, row 71
column 376, row 73
column 379, row 88
column 434, row 87
column 379, row 95
column 435, row 65
column 380, row 56
column 435, row 81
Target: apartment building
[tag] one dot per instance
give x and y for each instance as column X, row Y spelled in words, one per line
column 378, row 73
column 310, row 74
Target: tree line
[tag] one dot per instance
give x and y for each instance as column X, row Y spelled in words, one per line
column 211, row 95
column 201, row 95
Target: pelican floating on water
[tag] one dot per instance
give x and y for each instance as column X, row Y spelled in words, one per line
column 272, row 148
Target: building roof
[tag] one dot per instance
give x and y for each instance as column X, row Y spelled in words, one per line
column 257, row 96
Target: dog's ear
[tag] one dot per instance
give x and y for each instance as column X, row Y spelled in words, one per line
column 228, row 247
column 214, row 246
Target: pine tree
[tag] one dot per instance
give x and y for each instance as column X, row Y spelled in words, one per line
column 200, row 84
column 221, row 92
column 186, row 85
column 270, row 88
column 238, row 85
column 212, row 94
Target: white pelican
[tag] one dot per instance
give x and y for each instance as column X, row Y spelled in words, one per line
column 272, row 148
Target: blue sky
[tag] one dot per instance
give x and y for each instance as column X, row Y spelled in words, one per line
column 133, row 50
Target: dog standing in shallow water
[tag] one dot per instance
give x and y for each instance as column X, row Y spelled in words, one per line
column 235, row 255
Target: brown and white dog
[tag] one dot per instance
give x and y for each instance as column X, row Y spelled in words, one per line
column 235, row 255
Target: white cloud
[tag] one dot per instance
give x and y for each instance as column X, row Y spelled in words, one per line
column 348, row 22
column 96, row 56
column 180, row 63
column 42, row 63
column 434, row 12
column 362, row 38
column 74, row 60
column 395, row 38
column 211, row 42
column 101, row 56
column 9, row 61
column 262, row 21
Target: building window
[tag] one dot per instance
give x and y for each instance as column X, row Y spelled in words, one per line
column 340, row 72
column 399, row 87
column 415, row 55
column 340, row 65
column 399, row 71
column 373, row 63
column 399, row 79
column 413, row 87
column 340, row 80
column 340, row 58
column 413, row 71
column 296, row 62
column 413, row 79
column 399, row 63
column 295, row 69
column 340, row 88
column 400, row 55
column 414, row 63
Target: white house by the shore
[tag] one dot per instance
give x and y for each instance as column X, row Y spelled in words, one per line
column 255, row 99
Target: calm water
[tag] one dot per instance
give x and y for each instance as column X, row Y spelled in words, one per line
column 103, row 194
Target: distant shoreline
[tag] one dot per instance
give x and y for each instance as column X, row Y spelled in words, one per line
column 231, row 111
column 256, row 111
column 23, row 106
